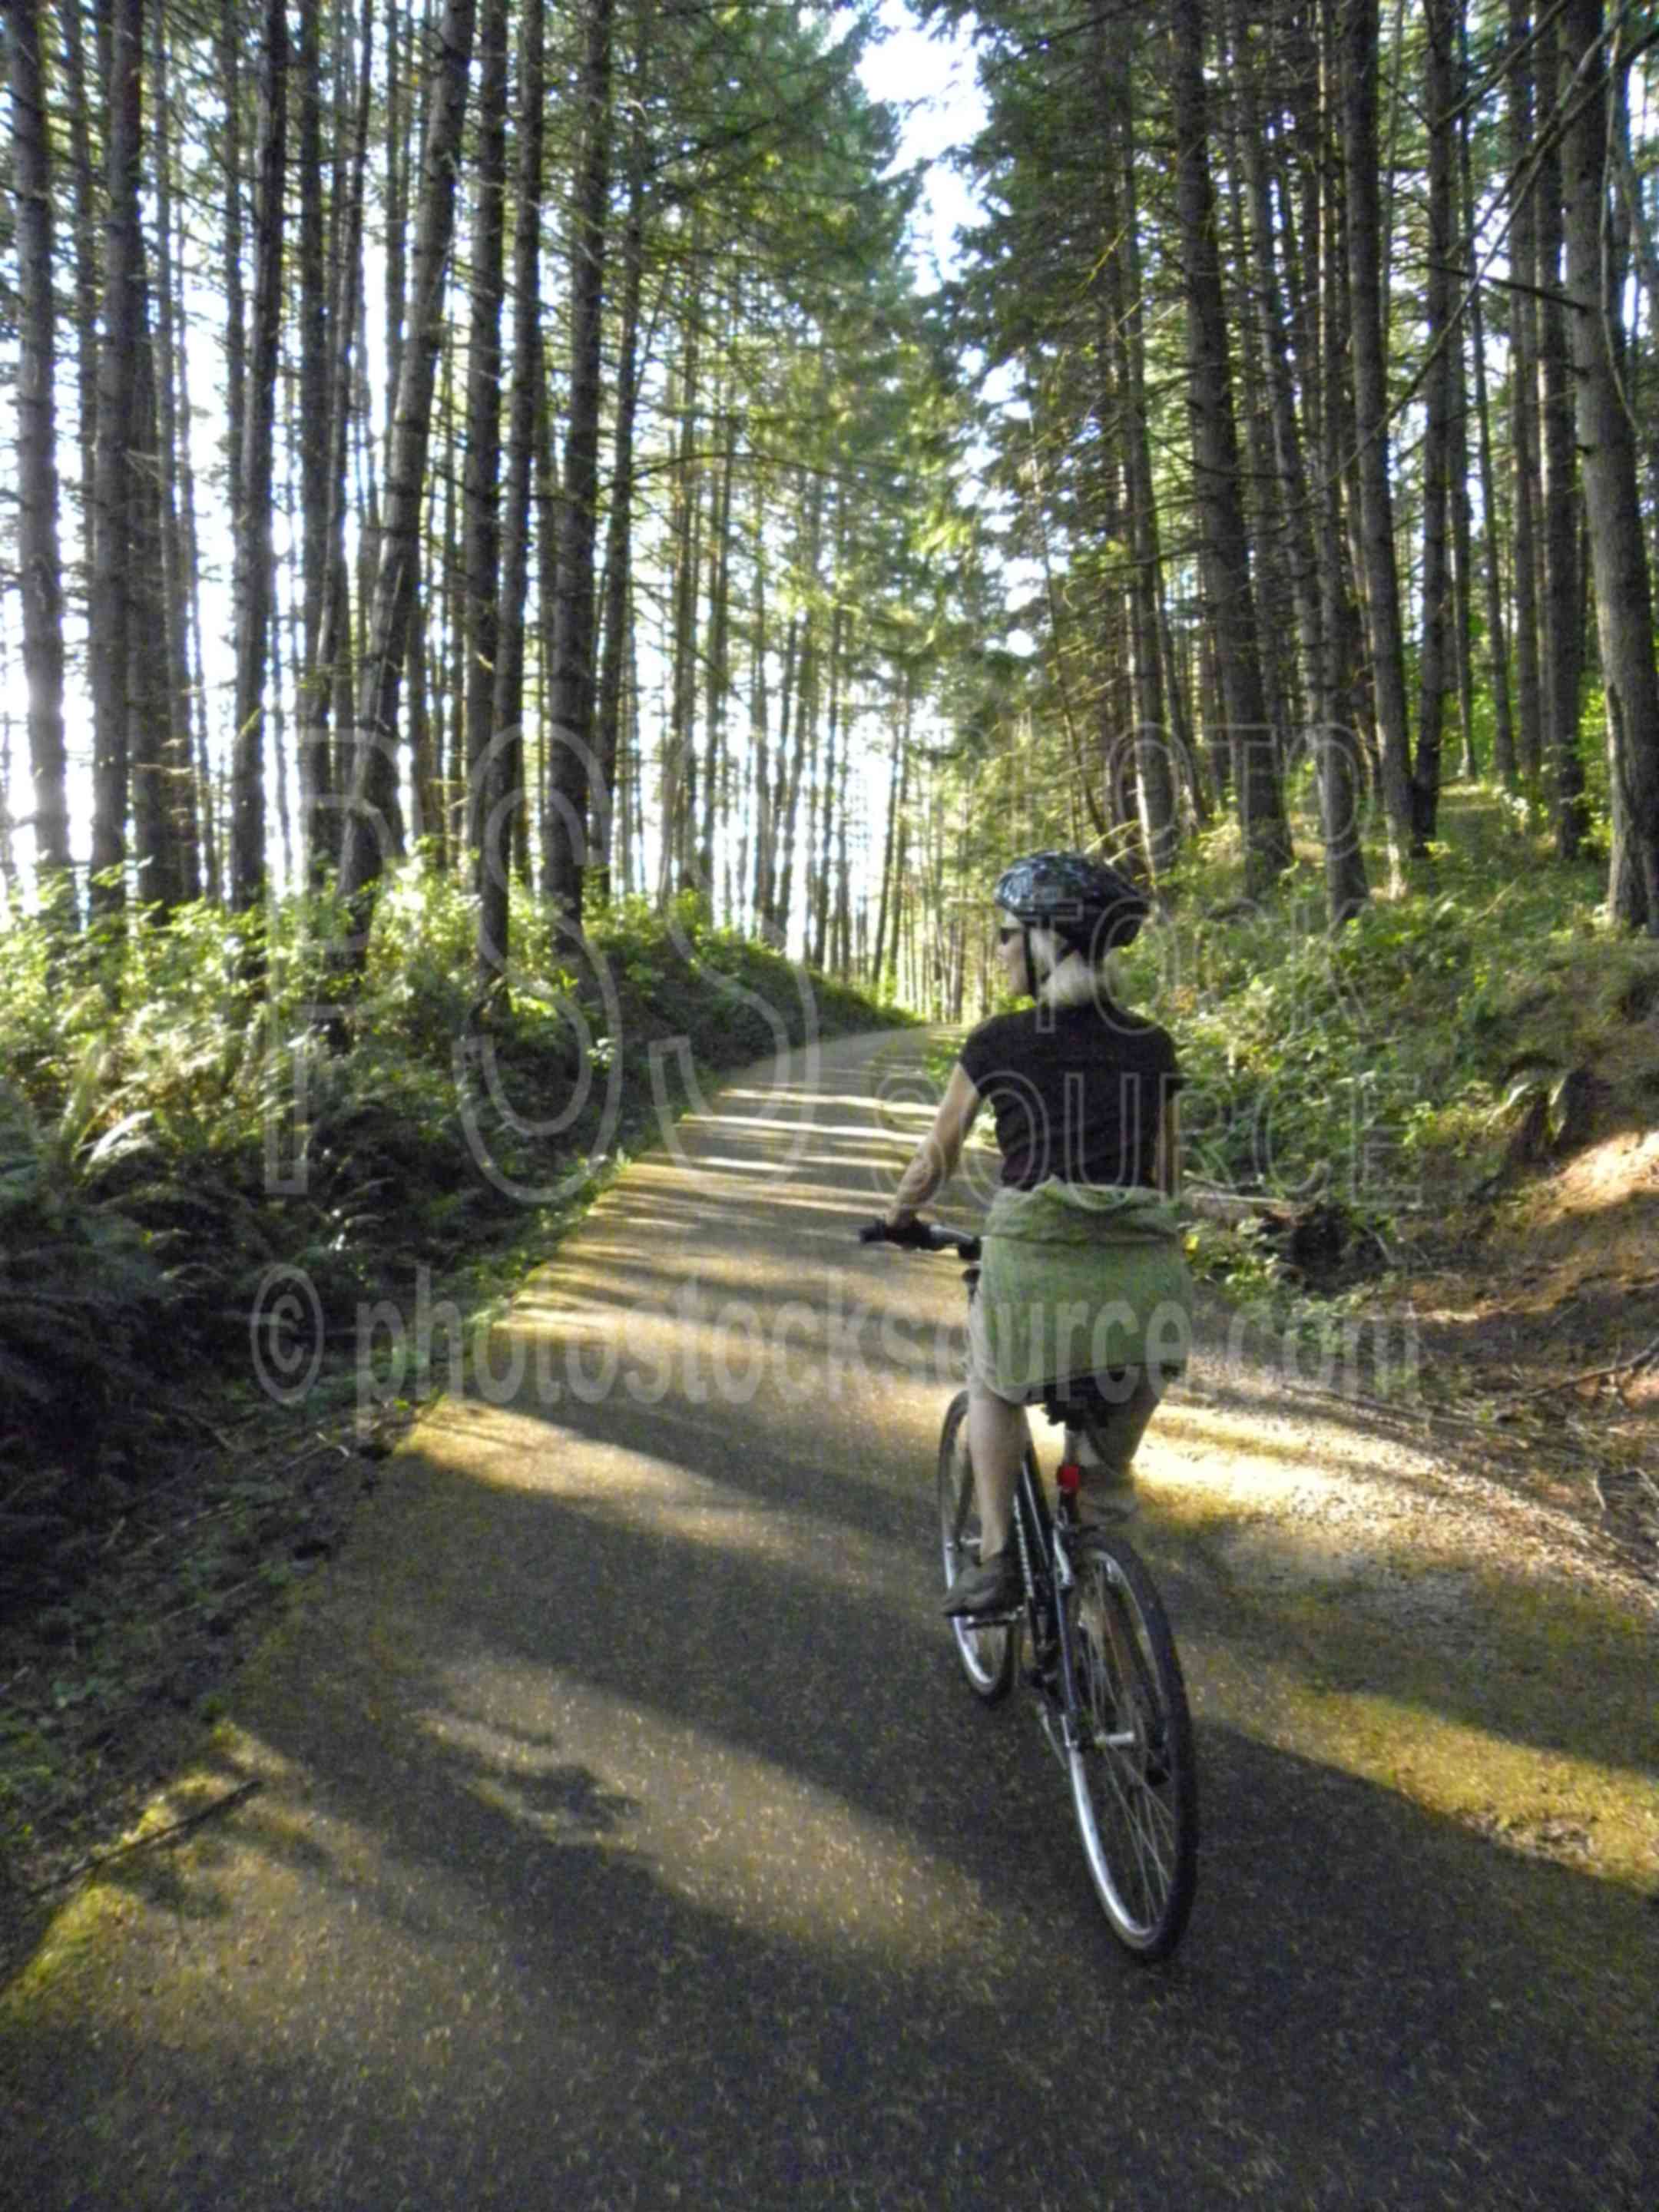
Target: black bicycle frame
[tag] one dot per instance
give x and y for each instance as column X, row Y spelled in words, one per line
column 1035, row 1533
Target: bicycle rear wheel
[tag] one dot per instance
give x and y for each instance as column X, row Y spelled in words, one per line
column 1134, row 1782
column 987, row 1654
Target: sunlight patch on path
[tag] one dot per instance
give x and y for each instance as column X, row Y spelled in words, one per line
column 1372, row 1614
column 729, row 1832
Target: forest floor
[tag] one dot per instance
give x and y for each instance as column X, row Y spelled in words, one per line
column 1536, row 1315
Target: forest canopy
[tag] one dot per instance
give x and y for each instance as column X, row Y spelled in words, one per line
column 515, row 443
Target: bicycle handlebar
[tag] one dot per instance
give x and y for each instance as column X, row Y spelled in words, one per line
column 921, row 1236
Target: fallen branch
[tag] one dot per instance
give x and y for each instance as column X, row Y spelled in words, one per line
column 1643, row 1358
column 171, row 1833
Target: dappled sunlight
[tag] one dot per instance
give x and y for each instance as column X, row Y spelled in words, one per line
column 1249, row 1451
column 1410, row 1646
column 851, row 1135
column 731, row 1831
column 1599, row 1817
column 1606, row 1174
column 658, row 1497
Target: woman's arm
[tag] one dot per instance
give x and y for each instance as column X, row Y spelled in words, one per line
column 936, row 1156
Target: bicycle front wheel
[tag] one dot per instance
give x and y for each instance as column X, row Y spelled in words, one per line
column 1134, row 1782
column 987, row 1654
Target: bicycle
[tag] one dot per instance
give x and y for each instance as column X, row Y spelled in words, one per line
column 1102, row 1661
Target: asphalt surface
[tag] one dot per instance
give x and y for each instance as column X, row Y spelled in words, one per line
column 626, row 1837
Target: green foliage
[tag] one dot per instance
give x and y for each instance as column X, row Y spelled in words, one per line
column 1371, row 1065
column 83, row 1303
column 172, row 1130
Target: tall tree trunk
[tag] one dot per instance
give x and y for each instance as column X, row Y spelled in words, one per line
column 481, row 483
column 1224, row 547
column 110, row 607
column 1292, row 500
column 718, row 672
column 1155, row 766
column 842, row 933
column 326, row 697
column 231, row 33
column 571, row 707
column 679, row 761
column 313, row 357
column 774, row 913
column 1524, row 396
column 405, row 124
column 1503, row 761
column 179, row 579
column 804, row 711
column 154, row 712
column 1563, row 613
column 1322, row 342
column 372, row 813
column 618, row 555
column 833, row 735
column 1435, row 667
column 1624, row 591
column 39, row 566
column 898, row 776
column 502, row 795
column 86, row 257
column 252, row 582
column 1381, row 578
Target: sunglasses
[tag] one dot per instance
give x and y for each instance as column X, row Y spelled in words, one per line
column 1006, row 936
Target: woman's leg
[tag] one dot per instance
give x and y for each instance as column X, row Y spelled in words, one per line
column 1108, row 1487
column 997, row 1437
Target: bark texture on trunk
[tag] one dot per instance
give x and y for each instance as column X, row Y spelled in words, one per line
column 111, row 531
column 370, row 838
column 501, row 793
column 570, row 736
column 39, row 561
column 1381, row 578
column 253, row 583
column 1624, row 590
column 481, row 530
column 1226, row 559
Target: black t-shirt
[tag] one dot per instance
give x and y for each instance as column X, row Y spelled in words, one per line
column 1078, row 1092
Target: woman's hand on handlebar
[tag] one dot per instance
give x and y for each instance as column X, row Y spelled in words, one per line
column 912, row 1234
column 902, row 1228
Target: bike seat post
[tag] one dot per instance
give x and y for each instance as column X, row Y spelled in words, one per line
column 1068, row 1482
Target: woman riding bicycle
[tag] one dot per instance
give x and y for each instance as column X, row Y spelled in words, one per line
column 1082, row 1271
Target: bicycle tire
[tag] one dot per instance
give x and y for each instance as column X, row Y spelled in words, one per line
column 1133, row 1773
column 987, row 1654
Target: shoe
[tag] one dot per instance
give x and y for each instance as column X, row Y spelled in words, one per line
column 992, row 1587
column 1101, row 1504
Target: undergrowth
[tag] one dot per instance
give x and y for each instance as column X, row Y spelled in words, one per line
column 180, row 1135
column 1373, row 1064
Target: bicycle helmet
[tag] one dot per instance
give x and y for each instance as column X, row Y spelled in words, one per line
column 1086, row 903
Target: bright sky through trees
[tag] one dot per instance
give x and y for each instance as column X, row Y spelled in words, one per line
column 930, row 79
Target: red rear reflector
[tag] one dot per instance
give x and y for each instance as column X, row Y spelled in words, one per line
column 1070, row 1477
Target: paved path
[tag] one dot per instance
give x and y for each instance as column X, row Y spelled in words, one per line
column 625, row 1838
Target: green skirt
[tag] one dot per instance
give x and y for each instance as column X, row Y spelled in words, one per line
column 1079, row 1279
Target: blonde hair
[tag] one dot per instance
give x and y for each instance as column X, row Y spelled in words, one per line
column 1066, row 977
